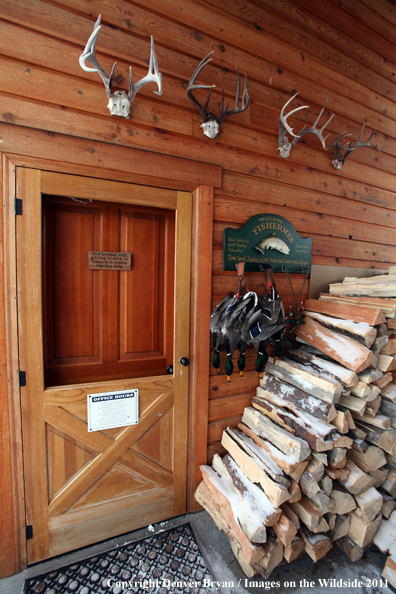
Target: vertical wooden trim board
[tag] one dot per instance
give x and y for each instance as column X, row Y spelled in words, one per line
column 201, row 280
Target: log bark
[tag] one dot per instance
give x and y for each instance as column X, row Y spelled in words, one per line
column 276, row 493
column 353, row 551
column 282, row 394
column 282, row 439
column 345, row 376
column 288, row 463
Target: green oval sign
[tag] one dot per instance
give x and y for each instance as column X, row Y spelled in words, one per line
column 267, row 239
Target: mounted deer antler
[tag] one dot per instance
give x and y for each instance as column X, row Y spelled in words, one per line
column 210, row 122
column 284, row 145
column 338, row 159
column 119, row 102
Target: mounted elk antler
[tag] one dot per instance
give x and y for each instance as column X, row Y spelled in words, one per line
column 119, row 102
column 210, row 122
column 338, row 159
column 284, row 145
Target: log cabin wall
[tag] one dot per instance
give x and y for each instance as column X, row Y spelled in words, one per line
column 337, row 54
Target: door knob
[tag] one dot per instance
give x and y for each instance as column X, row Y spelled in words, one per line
column 185, row 362
column 169, row 370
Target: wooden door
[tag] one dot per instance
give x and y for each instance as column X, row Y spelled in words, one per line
column 82, row 487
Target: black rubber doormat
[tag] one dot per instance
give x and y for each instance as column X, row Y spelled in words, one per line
column 169, row 561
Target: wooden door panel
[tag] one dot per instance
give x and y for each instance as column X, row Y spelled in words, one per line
column 86, row 485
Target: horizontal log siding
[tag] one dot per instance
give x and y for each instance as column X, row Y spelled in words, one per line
column 340, row 56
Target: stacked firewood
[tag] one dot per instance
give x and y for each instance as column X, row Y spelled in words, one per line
column 313, row 460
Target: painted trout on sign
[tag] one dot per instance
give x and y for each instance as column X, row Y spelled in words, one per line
column 273, row 242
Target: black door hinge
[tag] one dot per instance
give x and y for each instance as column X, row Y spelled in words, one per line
column 18, row 206
column 22, row 379
column 29, row 532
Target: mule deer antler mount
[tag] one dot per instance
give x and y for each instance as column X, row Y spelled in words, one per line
column 119, row 101
column 285, row 146
column 210, row 122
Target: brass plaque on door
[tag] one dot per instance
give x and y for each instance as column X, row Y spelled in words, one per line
column 109, row 261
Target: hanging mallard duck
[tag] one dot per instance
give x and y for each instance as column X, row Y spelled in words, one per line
column 244, row 318
column 267, row 323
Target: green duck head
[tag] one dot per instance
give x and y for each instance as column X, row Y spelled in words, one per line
column 241, row 364
column 229, row 367
column 216, row 361
column 261, row 360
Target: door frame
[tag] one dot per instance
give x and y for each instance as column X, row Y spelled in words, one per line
column 189, row 174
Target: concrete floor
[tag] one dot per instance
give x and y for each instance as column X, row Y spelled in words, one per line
column 300, row 577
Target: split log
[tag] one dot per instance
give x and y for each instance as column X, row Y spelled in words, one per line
column 304, row 380
column 255, row 471
column 389, row 392
column 322, row 527
column 302, row 425
column 306, row 513
column 337, row 473
column 358, row 434
column 316, row 469
column 370, row 375
column 384, row 380
column 380, row 421
column 373, row 317
column 326, row 484
column 379, row 344
column 387, row 306
column 369, row 289
column 390, row 483
column 361, row 531
column 372, row 459
column 308, row 484
column 294, row 492
column 342, row 441
column 391, row 461
column 389, row 571
column 340, row 529
column 224, row 519
column 360, row 332
column 370, row 503
column 388, row 408
column 343, row 502
column 357, row 405
column 385, row 539
column 357, row 481
column 331, row 520
column 348, row 416
column 316, row 545
column 260, row 455
column 386, row 363
column 320, row 457
column 338, row 458
column 383, row 438
column 294, row 550
column 258, row 507
column 379, row 476
column 389, row 348
column 283, row 394
column 321, row 503
column 345, row 376
column 341, row 422
column 362, row 390
column 360, row 446
column 346, row 351
column 273, row 556
column 388, row 505
column 282, row 439
column 353, row 551
column 288, row 463
column 235, row 509
column 391, row 324
column 248, row 569
column 373, row 407
column 285, row 530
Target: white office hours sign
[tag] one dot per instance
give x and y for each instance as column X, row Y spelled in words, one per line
column 110, row 410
